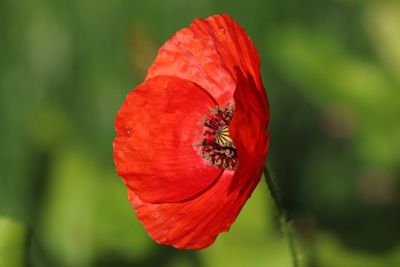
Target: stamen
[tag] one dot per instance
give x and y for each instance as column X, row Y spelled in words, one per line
column 217, row 146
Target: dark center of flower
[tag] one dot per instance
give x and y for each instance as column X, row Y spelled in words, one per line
column 217, row 146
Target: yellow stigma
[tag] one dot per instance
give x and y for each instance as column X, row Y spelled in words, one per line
column 223, row 138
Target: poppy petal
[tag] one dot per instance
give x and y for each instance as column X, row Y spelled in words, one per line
column 248, row 130
column 156, row 128
column 207, row 53
column 194, row 224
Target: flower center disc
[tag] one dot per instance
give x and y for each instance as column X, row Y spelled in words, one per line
column 223, row 139
column 217, row 146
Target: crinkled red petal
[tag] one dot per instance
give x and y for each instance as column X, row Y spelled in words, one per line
column 196, row 223
column 207, row 53
column 156, row 128
column 248, row 129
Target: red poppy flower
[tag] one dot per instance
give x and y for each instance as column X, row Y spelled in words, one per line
column 191, row 139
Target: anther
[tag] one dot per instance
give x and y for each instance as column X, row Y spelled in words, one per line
column 216, row 146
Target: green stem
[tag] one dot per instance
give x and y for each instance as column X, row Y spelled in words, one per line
column 285, row 228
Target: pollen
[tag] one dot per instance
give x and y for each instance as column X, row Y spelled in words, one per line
column 216, row 146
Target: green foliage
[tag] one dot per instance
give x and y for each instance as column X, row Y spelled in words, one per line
column 13, row 243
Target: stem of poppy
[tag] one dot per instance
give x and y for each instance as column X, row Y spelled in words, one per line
column 283, row 221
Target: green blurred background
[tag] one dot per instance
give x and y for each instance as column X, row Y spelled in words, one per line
column 332, row 72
